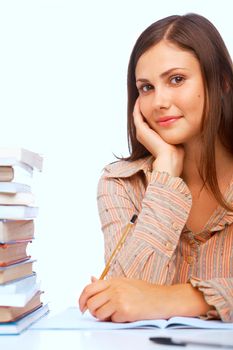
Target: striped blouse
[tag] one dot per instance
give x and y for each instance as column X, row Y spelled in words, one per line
column 160, row 249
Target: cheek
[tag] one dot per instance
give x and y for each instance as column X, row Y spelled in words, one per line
column 191, row 105
column 192, row 99
column 196, row 106
column 145, row 107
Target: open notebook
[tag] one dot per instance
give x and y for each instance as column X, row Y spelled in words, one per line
column 72, row 318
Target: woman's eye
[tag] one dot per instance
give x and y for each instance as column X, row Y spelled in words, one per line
column 177, row 79
column 146, row 88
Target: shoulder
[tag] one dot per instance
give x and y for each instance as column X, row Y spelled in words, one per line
column 119, row 168
column 124, row 169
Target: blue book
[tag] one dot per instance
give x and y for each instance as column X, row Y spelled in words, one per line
column 22, row 324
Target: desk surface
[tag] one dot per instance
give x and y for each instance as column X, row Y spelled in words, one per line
column 107, row 340
column 127, row 339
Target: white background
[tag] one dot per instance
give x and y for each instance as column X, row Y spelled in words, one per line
column 63, row 67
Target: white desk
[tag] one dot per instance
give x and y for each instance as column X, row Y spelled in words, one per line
column 127, row 339
column 105, row 340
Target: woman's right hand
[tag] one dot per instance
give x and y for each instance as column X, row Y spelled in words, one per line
column 168, row 158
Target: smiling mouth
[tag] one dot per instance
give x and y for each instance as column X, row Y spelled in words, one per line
column 166, row 121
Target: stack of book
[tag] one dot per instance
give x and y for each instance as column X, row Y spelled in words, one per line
column 20, row 294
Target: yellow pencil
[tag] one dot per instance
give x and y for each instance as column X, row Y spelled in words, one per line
column 118, row 246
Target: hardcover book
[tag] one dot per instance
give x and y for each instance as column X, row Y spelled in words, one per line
column 22, row 324
column 16, row 230
column 13, row 313
column 16, row 271
column 11, row 253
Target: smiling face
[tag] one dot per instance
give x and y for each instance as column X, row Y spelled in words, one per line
column 171, row 92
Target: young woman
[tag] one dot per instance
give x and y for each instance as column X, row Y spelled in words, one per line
column 178, row 257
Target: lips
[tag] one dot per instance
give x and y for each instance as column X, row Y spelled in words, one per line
column 168, row 120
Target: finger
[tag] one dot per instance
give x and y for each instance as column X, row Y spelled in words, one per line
column 139, row 121
column 138, row 118
column 90, row 291
column 93, row 279
column 119, row 317
column 85, row 308
column 105, row 312
column 97, row 301
column 136, row 109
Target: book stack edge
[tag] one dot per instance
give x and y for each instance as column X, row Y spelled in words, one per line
column 20, row 294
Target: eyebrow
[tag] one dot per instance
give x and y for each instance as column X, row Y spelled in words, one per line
column 164, row 74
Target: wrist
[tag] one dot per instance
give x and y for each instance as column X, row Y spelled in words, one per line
column 188, row 301
column 164, row 165
column 170, row 160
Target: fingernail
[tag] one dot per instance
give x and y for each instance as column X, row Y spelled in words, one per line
column 84, row 310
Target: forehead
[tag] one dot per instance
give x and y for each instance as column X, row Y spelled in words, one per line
column 165, row 56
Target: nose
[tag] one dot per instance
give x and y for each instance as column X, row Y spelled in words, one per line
column 161, row 99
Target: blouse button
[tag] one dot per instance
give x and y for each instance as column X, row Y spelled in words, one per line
column 189, row 259
column 169, row 246
column 175, row 226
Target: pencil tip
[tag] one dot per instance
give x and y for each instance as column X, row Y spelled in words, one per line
column 133, row 219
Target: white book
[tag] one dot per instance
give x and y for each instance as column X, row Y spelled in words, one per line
column 20, row 298
column 17, row 212
column 12, row 156
column 73, row 319
column 20, row 173
column 22, row 324
column 18, row 286
column 14, row 187
column 18, row 198
column 22, row 169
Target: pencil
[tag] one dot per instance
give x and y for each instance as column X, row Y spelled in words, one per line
column 118, row 246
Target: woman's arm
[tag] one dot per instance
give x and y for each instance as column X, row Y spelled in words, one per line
column 219, row 293
column 149, row 250
column 162, row 211
column 125, row 300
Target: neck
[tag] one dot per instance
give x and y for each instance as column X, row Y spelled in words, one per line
column 192, row 161
column 190, row 174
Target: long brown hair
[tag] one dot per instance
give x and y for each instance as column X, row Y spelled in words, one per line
column 198, row 35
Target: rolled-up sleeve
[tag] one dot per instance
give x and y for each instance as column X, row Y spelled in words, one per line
column 217, row 292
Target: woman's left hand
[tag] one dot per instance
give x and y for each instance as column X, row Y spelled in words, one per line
column 126, row 300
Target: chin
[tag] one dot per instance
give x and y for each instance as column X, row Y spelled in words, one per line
column 176, row 137
column 174, row 140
